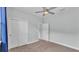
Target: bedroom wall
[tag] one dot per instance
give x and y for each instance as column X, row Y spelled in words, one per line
column 67, row 39
column 64, row 27
column 25, row 28
column 76, row 44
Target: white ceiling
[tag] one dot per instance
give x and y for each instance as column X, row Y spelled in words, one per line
column 32, row 10
column 66, row 20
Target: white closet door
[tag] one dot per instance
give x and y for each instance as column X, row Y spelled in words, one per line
column 12, row 33
column 23, row 32
column 45, row 31
column 17, row 33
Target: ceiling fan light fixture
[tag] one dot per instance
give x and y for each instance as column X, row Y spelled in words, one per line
column 46, row 13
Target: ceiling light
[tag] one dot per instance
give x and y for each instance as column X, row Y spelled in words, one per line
column 46, row 13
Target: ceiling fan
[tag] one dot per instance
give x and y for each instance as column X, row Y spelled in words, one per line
column 46, row 11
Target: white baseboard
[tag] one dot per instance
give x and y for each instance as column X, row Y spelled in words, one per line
column 23, row 44
column 32, row 41
column 65, row 45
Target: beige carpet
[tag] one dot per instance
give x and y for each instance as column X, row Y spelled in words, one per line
column 42, row 46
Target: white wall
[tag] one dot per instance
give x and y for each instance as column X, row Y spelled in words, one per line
column 76, row 44
column 62, row 37
column 33, row 34
column 64, row 27
column 23, row 28
column 67, row 39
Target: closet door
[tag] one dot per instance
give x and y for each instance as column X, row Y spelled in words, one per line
column 17, row 33
column 13, row 33
column 23, row 32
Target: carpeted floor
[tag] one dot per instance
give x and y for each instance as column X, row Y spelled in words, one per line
column 42, row 46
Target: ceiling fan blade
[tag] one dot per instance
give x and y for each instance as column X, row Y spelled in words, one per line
column 38, row 11
column 43, row 14
column 51, row 13
column 52, row 8
column 62, row 9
